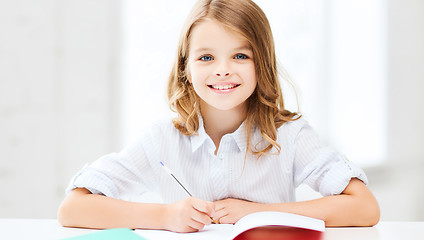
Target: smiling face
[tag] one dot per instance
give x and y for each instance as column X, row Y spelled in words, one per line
column 220, row 67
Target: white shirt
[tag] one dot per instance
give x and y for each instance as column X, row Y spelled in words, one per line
column 270, row 179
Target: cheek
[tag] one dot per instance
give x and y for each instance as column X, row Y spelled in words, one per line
column 249, row 75
column 197, row 75
column 194, row 78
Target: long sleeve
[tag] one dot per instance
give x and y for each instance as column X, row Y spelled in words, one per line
column 322, row 168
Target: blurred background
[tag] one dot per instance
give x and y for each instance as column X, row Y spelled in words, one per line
column 81, row 78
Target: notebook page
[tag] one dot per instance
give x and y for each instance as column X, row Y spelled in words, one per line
column 211, row 232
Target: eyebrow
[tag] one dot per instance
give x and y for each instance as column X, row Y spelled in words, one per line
column 246, row 47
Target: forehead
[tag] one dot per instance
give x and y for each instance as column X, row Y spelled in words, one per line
column 212, row 34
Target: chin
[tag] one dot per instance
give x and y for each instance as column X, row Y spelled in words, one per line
column 226, row 107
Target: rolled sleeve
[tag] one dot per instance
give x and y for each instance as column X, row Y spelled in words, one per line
column 122, row 176
column 320, row 167
column 339, row 176
column 95, row 182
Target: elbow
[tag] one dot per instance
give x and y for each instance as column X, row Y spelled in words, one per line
column 69, row 213
column 371, row 214
column 374, row 215
column 63, row 215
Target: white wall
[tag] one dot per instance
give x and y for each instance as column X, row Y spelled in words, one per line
column 399, row 187
column 397, row 182
column 57, row 97
column 60, row 102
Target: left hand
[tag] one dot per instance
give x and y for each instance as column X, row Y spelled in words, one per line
column 230, row 210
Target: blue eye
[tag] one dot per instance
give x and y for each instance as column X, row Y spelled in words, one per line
column 206, row 58
column 240, row 56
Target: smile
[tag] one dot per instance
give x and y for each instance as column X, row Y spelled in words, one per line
column 224, row 87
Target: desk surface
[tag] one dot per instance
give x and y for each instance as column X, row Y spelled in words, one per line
column 43, row 229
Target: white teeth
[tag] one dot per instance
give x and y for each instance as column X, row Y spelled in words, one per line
column 223, row 87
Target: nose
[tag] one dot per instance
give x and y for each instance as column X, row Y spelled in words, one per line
column 223, row 69
column 226, row 74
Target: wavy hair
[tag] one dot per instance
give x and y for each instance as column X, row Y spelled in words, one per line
column 266, row 105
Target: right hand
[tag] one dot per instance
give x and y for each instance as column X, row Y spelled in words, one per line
column 189, row 215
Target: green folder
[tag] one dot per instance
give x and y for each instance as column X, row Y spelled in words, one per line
column 110, row 234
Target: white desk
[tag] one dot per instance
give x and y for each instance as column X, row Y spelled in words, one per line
column 45, row 229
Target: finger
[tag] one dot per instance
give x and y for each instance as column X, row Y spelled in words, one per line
column 201, row 217
column 187, row 229
column 226, row 220
column 220, row 214
column 196, row 224
column 191, row 229
column 219, row 205
column 204, row 207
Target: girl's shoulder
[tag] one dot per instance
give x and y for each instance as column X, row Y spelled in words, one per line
column 293, row 126
column 161, row 126
column 155, row 133
column 154, row 137
column 291, row 129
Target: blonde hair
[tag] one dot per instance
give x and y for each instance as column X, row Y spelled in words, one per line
column 266, row 105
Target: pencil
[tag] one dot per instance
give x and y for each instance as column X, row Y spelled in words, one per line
column 172, row 174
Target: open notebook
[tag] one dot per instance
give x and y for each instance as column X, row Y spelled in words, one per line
column 258, row 226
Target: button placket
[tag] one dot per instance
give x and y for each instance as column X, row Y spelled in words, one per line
column 217, row 177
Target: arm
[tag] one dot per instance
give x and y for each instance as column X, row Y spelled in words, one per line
column 355, row 206
column 83, row 209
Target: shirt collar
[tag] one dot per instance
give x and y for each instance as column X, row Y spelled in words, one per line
column 200, row 137
column 239, row 136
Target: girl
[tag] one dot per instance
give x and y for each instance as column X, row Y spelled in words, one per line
column 233, row 145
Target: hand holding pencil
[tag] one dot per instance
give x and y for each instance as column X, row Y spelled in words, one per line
column 192, row 213
column 189, row 215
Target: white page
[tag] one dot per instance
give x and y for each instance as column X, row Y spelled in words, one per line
column 274, row 219
column 211, row 232
column 229, row 231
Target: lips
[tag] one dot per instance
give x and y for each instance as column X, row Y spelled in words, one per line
column 223, row 86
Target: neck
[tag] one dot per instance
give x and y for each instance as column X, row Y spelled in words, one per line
column 217, row 122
